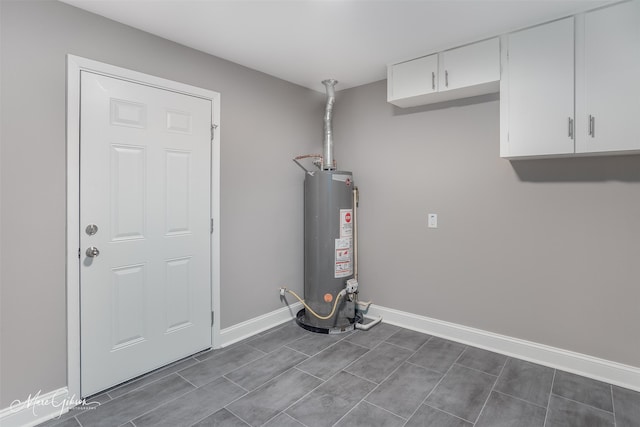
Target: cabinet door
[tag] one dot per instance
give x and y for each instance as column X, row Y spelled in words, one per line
column 539, row 91
column 611, row 79
column 414, row 78
column 470, row 65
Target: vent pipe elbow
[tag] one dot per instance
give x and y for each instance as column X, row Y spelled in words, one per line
column 328, row 162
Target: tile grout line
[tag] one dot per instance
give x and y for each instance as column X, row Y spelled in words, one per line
column 428, row 369
column 405, row 348
column 165, row 402
column 212, row 352
column 284, row 344
column 331, row 344
column 207, row 416
column 294, row 419
column 437, row 384
column 195, row 386
column 235, row 383
column 477, row 370
column 273, row 379
column 236, row 415
column 448, row 413
column 485, row 402
column 347, row 413
column 490, row 391
column 364, row 399
column 235, row 400
column 266, row 382
column 310, row 391
column 286, row 415
column 324, row 381
column 362, row 378
column 227, row 350
column 425, row 343
column 584, row 404
column 222, row 351
column 519, row 398
column 196, row 361
column 301, row 352
column 352, row 363
column 227, row 372
column 282, row 347
column 613, row 406
column 368, row 350
column 305, row 372
column 314, row 355
column 153, row 408
column 546, row 415
column 386, row 410
column 377, row 384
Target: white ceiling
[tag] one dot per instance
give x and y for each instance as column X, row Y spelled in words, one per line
column 306, row 41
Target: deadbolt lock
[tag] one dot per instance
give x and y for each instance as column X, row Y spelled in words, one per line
column 91, row 229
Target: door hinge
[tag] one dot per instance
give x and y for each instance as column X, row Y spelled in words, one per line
column 79, row 252
column 213, row 130
column 211, row 225
column 212, row 318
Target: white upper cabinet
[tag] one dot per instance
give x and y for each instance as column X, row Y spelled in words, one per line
column 608, row 81
column 536, row 91
column 537, row 98
column 458, row 73
column 471, row 65
column 413, row 78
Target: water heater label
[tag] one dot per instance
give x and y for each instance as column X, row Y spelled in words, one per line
column 344, row 258
column 346, row 223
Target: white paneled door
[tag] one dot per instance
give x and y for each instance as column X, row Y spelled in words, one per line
column 145, row 209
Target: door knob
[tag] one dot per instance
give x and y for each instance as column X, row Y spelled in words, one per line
column 92, row 252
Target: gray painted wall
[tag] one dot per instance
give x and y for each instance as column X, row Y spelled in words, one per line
column 542, row 250
column 265, row 122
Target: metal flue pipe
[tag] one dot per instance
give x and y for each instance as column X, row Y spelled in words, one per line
column 327, row 144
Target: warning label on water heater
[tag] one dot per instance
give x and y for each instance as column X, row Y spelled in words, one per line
column 344, row 258
column 346, row 223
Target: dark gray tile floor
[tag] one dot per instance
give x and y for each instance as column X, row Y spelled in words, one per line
column 387, row 376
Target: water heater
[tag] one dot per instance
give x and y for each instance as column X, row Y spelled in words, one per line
column 330, row 241
column 328, row 247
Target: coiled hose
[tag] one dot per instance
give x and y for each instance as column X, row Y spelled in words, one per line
column 310, row 310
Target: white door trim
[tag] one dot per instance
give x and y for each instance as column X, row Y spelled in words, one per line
column 75, row 65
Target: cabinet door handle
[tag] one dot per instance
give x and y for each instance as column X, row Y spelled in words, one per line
column 433, row 80
column 570, row 128
column 446, row 78
column 592, row 126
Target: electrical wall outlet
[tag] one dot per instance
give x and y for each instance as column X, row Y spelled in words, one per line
column 432, row 221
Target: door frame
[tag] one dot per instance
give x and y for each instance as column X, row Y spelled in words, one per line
column 75, row 65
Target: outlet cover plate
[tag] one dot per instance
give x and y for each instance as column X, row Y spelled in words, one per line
column 432, row 220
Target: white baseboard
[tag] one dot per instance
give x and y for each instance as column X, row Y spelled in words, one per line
column 36, row 409
column 258, row 324
column 592, row 367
